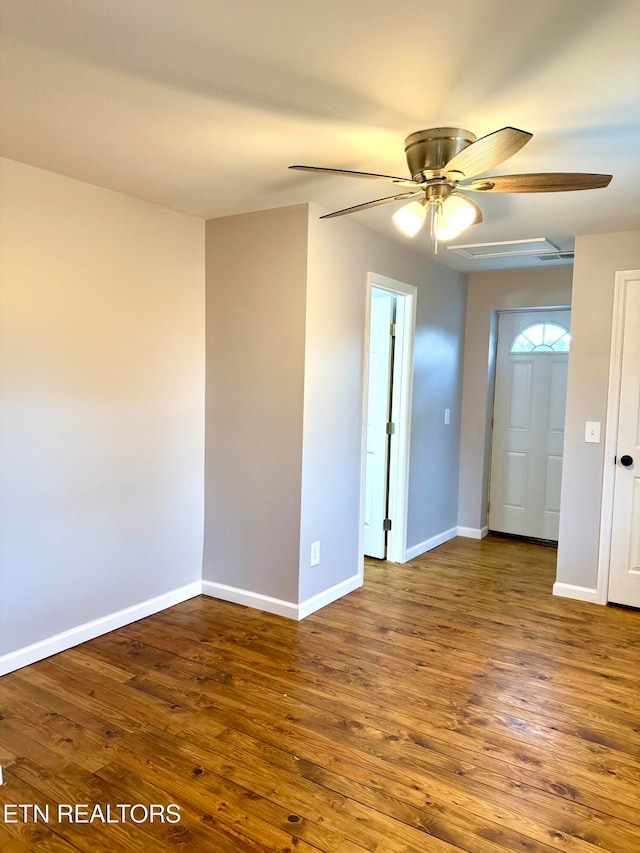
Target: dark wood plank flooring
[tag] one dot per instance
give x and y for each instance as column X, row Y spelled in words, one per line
column 451, row 704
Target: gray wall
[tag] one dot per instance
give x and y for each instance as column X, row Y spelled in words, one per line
column 256, row 297
column 598, row 258
column 286, row 302
column 341, row 253
column 437, row 384
column 488, row 293
column 102, row 389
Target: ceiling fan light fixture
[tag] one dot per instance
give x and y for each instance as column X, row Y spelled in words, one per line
column 439, row 159
column 454, row 216
column 410, row 218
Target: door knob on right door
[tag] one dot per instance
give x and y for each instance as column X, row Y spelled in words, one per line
column 626, row 460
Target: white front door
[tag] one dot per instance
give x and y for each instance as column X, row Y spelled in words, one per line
column 624, row 571
column 528, row 423
column 378, row 409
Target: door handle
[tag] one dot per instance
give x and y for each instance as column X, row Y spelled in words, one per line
column 626, row 460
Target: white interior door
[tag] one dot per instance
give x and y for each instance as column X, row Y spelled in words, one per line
column 378, row 396
column 624, row 571
column 528, row 423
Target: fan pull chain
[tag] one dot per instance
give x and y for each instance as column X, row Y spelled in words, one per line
column 434, row 234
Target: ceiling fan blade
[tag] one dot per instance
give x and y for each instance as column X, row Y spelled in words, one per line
column 404, row 182
column 541, row 182
column 488, row 151
column 367, row 204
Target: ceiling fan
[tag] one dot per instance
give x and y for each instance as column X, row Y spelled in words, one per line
column 442, row 161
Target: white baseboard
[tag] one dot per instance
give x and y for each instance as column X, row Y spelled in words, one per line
column 579, row 593
column 89, row 630
column 250, row 599
column 305, row 608
column 428, row 544
column 473, row 532
column 277, row 605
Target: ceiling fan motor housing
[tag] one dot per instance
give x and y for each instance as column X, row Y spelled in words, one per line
column 429, row 151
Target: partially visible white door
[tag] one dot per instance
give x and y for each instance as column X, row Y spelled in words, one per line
column 624, row 571
column 378, row 397
column 528, row 427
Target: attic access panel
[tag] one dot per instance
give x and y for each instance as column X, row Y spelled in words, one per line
column 505, row 249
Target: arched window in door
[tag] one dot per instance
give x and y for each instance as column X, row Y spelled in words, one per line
column 542, row 337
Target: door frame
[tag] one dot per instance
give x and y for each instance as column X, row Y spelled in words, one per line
column 406, row 295
column 611, row 433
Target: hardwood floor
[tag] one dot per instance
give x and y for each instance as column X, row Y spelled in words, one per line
column 452, row 704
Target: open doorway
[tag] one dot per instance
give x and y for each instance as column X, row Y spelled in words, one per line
column 387, row 414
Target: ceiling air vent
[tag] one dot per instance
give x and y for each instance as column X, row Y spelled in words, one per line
column 506, row 249
column 557, row 256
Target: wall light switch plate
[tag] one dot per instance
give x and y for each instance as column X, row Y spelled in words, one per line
column 447, row 416
column 315, row 553
column 592, row 432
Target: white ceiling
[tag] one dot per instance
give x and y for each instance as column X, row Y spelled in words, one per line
column 200, row 105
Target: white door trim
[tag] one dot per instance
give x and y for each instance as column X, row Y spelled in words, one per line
column 611, row 432
column 400, row 408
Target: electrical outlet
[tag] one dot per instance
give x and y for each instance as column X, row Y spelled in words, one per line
column 315, row 553
column 447, row 416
